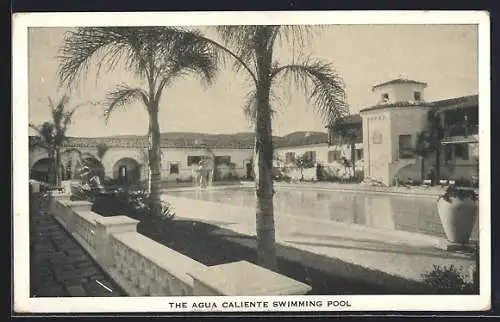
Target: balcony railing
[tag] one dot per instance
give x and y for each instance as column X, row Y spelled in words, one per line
column 460, row 130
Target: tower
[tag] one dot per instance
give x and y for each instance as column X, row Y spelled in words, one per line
column 399, row 91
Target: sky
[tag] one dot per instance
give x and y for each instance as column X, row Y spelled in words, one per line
column 443, row 56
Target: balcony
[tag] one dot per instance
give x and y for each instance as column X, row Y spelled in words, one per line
column 460, row 130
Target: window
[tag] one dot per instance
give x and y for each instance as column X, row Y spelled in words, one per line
column 417, row 96
column 310, row 156
column 333, row 156
column 290, row 157
column 462, row 151
column 222, row 159
column 385, row 97
column 193, row 159
column 405, row 147
column 174, row 168
column 376, row 137
column 359, row 154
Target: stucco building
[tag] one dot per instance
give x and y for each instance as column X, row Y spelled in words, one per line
column 126, row 158
column 392, row 125
column 384, row 144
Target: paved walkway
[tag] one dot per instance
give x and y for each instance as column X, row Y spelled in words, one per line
column 59, row 267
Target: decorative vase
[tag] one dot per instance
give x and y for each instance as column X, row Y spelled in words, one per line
column 458, row 217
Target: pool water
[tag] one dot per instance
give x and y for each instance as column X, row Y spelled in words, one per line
column 405, row 213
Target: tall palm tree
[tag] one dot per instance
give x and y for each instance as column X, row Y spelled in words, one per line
column 52, row 134
column 156, row 55
column 253, row 48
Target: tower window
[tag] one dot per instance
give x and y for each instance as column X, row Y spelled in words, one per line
column 385, row 97
column 174, row 168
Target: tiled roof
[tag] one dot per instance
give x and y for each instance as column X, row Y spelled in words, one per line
column 457, row 102
column 399, row 81
column 352, row 119
column 301, row 138
column 396, row 104
column 217, row 141
column 447, row 104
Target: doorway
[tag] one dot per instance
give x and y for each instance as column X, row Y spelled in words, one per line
column 249, row 170
column 122, row 174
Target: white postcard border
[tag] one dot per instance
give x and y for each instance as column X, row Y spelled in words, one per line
column 21, row 22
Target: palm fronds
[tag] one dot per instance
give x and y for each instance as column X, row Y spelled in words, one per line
column 121, row 96
column 327, row 91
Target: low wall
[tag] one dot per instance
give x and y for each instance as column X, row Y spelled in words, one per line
column 143, row 267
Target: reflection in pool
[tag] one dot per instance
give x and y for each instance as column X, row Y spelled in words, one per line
column 406, row 213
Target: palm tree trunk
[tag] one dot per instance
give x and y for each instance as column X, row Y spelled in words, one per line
column 353, row 159
column 51, row 175
column 154, row 162
column 438, row 162
column 263, row 156
column 422, row 168
column 58, row 167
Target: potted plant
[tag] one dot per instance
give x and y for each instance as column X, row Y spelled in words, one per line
column 457, row 211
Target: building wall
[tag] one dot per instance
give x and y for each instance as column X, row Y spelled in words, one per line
column 116, row 155
column 398, row 92
column 405, row 121
column 334, row 168
column 377, row 143
column 179, row 156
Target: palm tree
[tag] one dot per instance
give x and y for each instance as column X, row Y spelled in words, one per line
column 102, row 149
column 156, row 55
column 52, row 135
column 213, row 172
column 303, row 162
column 422, row 149
column 253, row 48
column 348, row 136
column 434, row 133
column 144, row 159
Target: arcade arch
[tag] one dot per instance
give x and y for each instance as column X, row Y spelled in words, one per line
column 127, row 171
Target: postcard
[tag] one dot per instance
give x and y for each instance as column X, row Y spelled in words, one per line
column 251, row 161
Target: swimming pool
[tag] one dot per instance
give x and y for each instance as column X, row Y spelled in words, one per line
column 382, row 211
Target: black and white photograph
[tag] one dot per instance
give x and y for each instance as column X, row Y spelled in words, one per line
column 251, row 161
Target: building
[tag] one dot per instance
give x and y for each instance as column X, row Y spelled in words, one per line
column 330, row 151
column 391, row 128
column 126, row 158
column 383, row 144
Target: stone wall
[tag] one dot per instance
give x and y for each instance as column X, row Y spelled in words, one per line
column 143, row 267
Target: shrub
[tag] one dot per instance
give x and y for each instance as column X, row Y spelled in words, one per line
column 449, row 280
column 78, row 193
column 135, row 205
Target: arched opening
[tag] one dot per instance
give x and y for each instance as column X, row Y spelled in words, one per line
column 41, row 170
column 127, row 171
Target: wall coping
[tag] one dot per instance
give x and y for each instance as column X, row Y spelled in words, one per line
column 115, row 220
column 72, row 203
column 246, row 279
